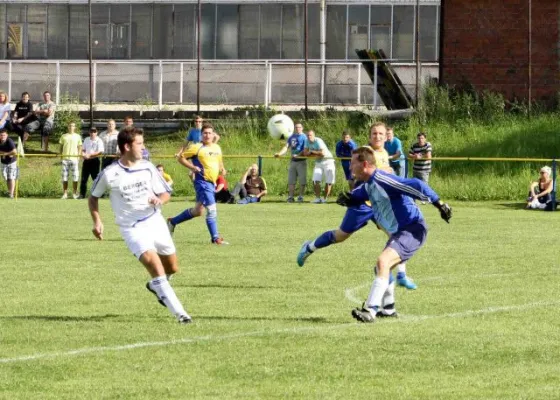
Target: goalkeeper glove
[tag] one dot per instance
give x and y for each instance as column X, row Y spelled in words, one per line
column 444, row 210
column 345, row 199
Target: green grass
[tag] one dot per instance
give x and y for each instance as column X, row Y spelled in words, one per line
column 483, row 323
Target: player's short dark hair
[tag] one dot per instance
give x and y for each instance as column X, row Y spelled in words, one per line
column 422, row 134
column 127, row 136
column 365, row 153
column 207, row 125
column 345, row 132
column 25, row 93
column 45, row 92
column 159, row 166
column 3, row 130
column 93, row 129
column 128, row 117
column 197, row 117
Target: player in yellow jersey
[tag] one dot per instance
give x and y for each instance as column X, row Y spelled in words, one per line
column 205, row 161
column 358, row 216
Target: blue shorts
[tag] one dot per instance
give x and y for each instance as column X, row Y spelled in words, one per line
column 205, row 192
column 346, row 168
column 408, row 240
column 356, row 218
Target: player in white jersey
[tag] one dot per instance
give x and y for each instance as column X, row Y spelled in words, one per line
column 137, row 192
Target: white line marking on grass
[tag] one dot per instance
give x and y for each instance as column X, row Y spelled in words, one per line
column 402, row 319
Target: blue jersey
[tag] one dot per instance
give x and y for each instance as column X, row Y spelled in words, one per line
column 296, row 142
column 392, row 199
column 393, row 146
column 345, row 149
column 194, row 136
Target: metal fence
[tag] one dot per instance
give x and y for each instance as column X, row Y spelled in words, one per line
column 161, row 82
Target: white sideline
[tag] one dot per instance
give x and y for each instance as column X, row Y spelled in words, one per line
column 402, row 319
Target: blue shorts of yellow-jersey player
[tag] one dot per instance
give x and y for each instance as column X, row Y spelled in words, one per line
column 408, row 240
column 204, row 192
column 356, row 218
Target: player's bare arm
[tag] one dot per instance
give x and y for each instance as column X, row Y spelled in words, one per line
column 97, row 230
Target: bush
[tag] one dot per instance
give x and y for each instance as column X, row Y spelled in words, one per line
column 66, row 113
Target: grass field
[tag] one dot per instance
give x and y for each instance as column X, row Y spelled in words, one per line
column 77, row 323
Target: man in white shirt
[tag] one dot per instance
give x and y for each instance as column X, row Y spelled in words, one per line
column 137, row 192
column 324, row 165
column 91, row 151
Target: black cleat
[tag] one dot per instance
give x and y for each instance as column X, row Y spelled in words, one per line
column 185, row 319
column 363, row 315
column 381, row 314
column 160, row 301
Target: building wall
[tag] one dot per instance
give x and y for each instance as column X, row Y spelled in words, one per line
column 486, row 44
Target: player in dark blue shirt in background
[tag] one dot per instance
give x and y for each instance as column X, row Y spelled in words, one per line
column 344, row 148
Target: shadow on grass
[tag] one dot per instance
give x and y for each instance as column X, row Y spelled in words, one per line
column 512, row 206
column 315, row 320
column 92, row 239
column 62, row 318
column 221, row 286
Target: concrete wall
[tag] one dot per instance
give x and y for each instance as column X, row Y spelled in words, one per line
column 486, row 44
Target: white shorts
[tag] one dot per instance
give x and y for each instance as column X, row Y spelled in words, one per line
column 70, row 167
column 326, row 170
column 151, row 234
column 10, row 171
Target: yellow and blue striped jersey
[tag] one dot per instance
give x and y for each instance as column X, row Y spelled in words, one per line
column 208, row 158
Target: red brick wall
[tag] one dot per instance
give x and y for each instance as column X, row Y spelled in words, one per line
column 485, row 44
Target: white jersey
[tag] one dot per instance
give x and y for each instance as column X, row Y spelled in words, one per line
column 130, row 189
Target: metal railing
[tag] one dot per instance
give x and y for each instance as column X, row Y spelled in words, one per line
column 235, row 82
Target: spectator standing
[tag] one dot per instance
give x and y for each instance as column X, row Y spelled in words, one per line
column 393, row 145
column 421, row 152
column 45, row 120
column 251, row 188
column 110, row 145
column 70, row 149
column 23, row 115
column 344, row 148
column 5, row 111
column 128, row 122
column 324, row 166
column 9, row 161
column 91, row 150
column 297, row 171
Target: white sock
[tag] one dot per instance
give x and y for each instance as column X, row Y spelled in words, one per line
column 166, row 294
column 401, row 268
column 311, row 246
column 378, row 289
column 389, row 298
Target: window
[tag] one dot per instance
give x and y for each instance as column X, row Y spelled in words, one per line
column 226, row 41
column 428, row 33
column 78, row 32
column 207, row 31
column 336, row 32
column 380, row 31
column 249, row 29
column 185, row 31
column 120, row 31
column 163, row 24
column 2, row 31
column 271, row 15
column 16, row 19
column 141, row 31
column 403, row 36
column 313, row 32
column 358, row 23
column 292, row 31
column 57, row 31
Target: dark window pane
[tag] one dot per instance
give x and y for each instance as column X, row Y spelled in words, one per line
column 141, row 30
column 99, row 14
column 119, row 40
column 336, row 32
column 2, row 31
column 36, row 40
column 292, row 31
column 120, row 14
column 185, row 31
column 270, row 31
column 78, row 43
column 380, row 15
column 207, row 34
column 313, row 32
column 226, row 42
column 163, row 23
column 16, row 13
column 358, row 20
column 428, row 33
column 380, row 30
column 403, row 28
column 249, row 15
column 57, row 31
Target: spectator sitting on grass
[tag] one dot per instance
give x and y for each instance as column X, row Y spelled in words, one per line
column 222, row 192
column 251, row 188
column 166, row 177
column 539, row 191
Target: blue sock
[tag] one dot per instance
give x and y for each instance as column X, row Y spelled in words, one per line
column 212, row 225
column 401, row 275
column 184, row 216
column 324, row 240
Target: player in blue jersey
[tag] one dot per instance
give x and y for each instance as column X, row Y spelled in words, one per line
column 297, row 171
column 357, row 216
column 344, row 149
column 394, row 210
column 205, row 161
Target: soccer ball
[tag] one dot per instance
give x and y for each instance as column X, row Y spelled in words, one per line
column 280, row 126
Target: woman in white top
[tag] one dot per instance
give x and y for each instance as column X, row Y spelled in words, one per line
column 5, row 109
column 539, row 191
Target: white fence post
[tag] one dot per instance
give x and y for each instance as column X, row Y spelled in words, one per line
column 375, row 84
column 266, row 84
column 10, row 80
column 160, row 94
column 359, row 83
column 94, row 82
column 57, row 85
column 181, row 84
